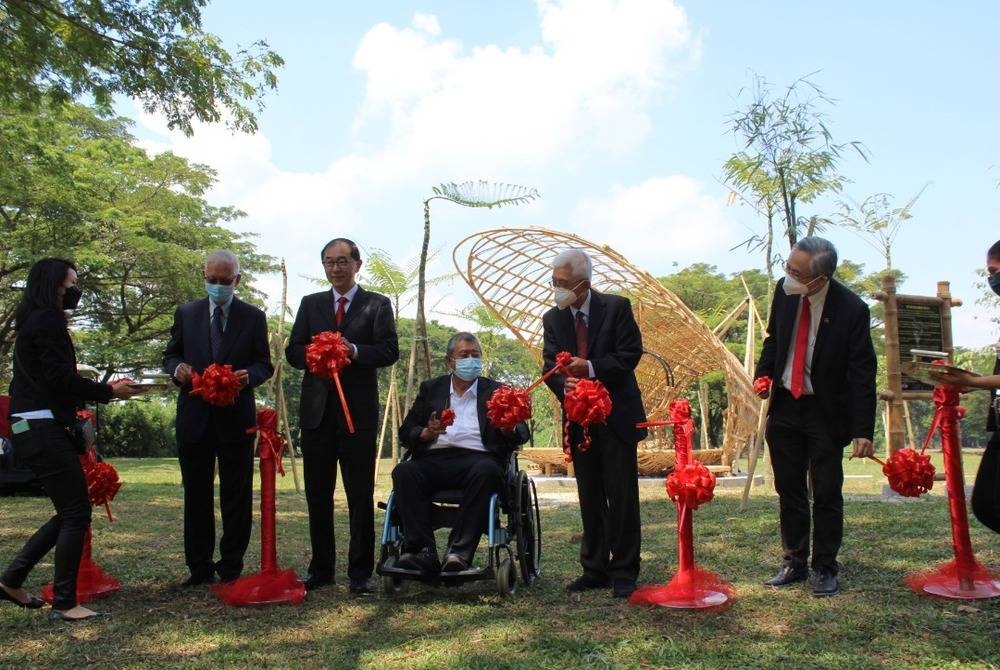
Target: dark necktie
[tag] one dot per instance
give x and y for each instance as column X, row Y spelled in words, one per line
column 216, row 332
column 581, row 335
column 341, row 301
column 801, row 344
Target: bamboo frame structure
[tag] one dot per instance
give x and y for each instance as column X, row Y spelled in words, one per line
column 509, row 270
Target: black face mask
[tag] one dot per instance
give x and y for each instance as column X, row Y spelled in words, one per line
column 72, row 297
column 994, row 282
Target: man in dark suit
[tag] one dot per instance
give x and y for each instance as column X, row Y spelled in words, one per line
column 818, row 353
column 366, row 321
column 470, row 455
column 218, row 329
column 601, row 333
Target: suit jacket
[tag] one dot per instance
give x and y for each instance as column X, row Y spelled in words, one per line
column 614, row 347
column 244, row 346
column 369, row 325
column 843, row 362
column 435, row 395
column 45, row 351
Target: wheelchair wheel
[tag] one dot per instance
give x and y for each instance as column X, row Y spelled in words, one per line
column 391, row 583
column 528, row 534
column 505, row 574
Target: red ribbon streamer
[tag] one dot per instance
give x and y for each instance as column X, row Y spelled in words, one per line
column 562, row 365
column 589, row 402
column 218, row 385
column 508, row 407
column 326, row 355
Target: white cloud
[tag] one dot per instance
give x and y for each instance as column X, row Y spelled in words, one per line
column 658, row 222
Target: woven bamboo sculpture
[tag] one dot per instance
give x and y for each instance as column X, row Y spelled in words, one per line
column 510, row 269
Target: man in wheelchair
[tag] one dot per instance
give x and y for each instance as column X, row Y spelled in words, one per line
column 470, row 455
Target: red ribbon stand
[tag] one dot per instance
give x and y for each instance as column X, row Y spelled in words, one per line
column 962, row 578
column 689, row 485
column 326, row 355
column 270, row 586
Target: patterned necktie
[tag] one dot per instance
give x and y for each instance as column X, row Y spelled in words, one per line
column 581, row 335
column 215, row 332
column 801, row 344
column 341, row 301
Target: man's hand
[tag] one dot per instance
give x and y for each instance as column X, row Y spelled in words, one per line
column 182, row 373
column 578, row 367
column 433, row 428
column 863, row 448
column 123, row 389
column 243, row 377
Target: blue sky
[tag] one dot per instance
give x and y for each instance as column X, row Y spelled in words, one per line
column 616, row 112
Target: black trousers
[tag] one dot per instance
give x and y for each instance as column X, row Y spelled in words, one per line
column 477, row 473
column 801, row 444
column 986, row 492
column 197, row 461
column 607, row 481
column 46, row 449
column 322, row 449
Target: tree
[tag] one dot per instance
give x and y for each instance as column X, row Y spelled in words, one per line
column 478, row 194
column 876, row 221
column 788, row 156
column 76, row 185
column 61, row 50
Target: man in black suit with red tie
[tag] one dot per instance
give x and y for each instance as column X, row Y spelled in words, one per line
column 366, row 321
column 601, row 332
column 818, row 353
column 218, row 329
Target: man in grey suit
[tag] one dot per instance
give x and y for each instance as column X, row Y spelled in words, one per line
column 365, row 320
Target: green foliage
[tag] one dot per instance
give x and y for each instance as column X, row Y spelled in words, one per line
column 137, row 428
column 877, row 221
column 485, row 193
column 56, row 51
column 138, row 227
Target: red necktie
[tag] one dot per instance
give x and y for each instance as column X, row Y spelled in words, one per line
column 341, row 301
column 801, row 344
column 581, row 335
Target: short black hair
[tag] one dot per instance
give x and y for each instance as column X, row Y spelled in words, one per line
column 994, row 251
column 44, row 279
column 355, row 253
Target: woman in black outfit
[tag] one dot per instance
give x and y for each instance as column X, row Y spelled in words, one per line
column 45, row 392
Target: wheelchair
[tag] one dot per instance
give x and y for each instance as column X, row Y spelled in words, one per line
column 514, row 537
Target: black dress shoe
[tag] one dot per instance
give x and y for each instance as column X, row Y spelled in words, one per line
column 425, row 561
column 56, row 616
column 34, row 602
column 454, row 563
column 622, row 588
column 587, row 583
column 788, row 575
column 199, row 580
column 825, row 584
column 312, row 582
column 361, row 586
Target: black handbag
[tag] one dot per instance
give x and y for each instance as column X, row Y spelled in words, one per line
column 81, row 434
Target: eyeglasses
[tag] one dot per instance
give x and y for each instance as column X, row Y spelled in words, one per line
column 795, row 274
column 571, row 284
column 467, row 354
column 343, row 262
column 219, row 280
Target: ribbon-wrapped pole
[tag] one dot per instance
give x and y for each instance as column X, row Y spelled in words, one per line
column 326, row 355
column 689, row 485
column 962, row 578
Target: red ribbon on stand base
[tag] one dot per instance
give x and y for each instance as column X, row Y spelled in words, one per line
column 689, row 485
column 92, row 582
column 270, row 586
column 962, row 578
column 326, row 355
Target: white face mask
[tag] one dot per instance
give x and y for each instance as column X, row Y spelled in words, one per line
column 564, row 297
column 793, row 286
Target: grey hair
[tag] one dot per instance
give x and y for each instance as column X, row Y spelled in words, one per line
column 822, row 255
column 462, row 336
column 577, row 261
column 225, row 256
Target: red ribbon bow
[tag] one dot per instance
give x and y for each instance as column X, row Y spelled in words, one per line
column 447, row 417
column 762, row 385
column 218, row 385
column 507, row 407
column 588, row 402
column 326, row 355
column 270, row 443
column 691, row 485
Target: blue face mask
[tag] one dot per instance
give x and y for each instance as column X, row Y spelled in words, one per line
column 219, row 293
column 467, row 369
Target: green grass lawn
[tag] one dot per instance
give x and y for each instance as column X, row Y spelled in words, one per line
column 876, row 622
